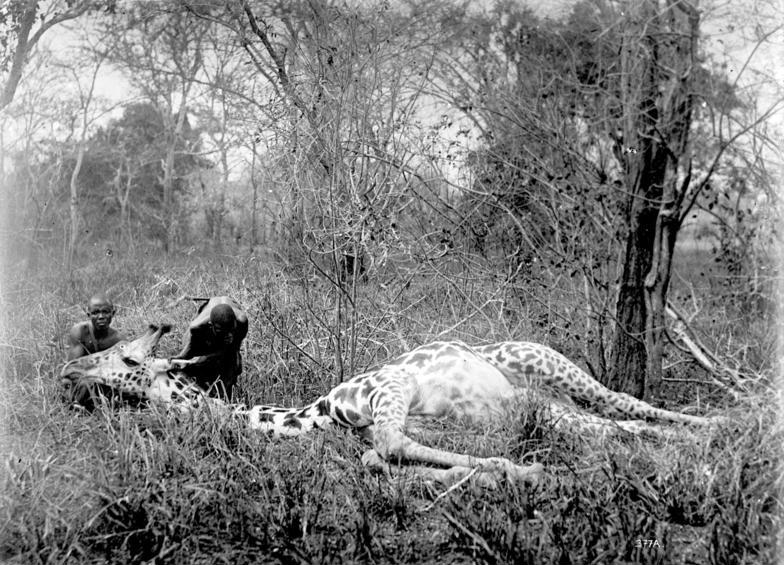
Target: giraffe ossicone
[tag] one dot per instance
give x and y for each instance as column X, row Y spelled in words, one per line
column 441, row 379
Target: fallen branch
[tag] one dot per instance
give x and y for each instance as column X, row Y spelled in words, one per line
column 704, row 358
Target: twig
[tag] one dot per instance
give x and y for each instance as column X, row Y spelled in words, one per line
column 701, row 355
column 473, row 535
column 457, row 485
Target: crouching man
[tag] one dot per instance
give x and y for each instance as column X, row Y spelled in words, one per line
column 211, row 346
column 91, row 336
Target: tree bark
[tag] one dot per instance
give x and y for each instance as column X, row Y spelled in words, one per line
column 677, row 102
column 644, row 162
column 658, row 113
column 20, row 54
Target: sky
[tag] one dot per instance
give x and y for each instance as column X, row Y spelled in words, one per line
column 728, row 27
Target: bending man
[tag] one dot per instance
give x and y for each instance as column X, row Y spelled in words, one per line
column 211, row 346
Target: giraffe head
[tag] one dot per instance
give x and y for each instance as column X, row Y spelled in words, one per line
column 129, row 367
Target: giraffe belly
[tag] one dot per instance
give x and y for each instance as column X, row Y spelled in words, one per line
column 472, row 389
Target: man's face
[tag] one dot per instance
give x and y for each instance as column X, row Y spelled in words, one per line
column 100, row 314
column 224, row 333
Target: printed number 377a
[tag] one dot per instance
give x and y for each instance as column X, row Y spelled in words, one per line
column 647, row 543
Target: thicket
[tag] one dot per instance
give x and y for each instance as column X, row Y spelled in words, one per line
column 133, row 486
column 364, row 180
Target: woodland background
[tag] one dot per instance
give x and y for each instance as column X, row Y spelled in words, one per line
column 367, row 177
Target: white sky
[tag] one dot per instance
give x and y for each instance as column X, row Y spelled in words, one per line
column 729, row 28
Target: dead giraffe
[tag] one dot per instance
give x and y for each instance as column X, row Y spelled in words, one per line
column 441, row 379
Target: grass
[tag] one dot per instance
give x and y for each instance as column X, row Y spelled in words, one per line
column 129, row 486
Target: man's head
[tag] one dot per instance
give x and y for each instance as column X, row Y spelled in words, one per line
column 223, row 322
column 100, row 310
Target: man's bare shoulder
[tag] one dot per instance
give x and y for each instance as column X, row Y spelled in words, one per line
column 79, row 330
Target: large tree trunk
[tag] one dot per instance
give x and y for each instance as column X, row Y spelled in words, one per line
column 26, row 22
column 25, row 42
column 644, row 168
column 628, row 355
column 677, row 102
column 657, row 65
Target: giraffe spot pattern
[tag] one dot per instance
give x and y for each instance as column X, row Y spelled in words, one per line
column 384, row 395
column 292, row 421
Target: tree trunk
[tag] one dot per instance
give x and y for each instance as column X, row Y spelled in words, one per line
column 254, row 200
column 628, row 356
column 171, row 151
column 658, row 112
column 644, row 164
column 657, row 283
column 678, row 102
column 73, row 208
column 25, row 43
column 122, row 194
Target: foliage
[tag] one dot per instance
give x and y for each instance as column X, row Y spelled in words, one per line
column 118, row 183
column 496, row 213
column 593, row 151
column 133, row 486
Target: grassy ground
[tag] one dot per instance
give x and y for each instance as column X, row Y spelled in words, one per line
column 145, row 486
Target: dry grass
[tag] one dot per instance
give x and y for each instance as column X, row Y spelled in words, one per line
column 145, row 486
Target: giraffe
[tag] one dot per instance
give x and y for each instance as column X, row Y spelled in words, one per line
column 441, row 380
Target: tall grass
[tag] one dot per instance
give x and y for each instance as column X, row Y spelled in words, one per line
column 135, row 486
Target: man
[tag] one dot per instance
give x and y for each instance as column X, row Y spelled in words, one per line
column 211, row 346
column 90, row 336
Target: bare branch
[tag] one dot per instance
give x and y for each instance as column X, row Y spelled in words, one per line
column 25, row 42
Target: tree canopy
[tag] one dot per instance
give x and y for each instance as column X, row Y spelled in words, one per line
column 539, row 150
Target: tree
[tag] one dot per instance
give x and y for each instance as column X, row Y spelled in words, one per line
column 228, row 88
column 18, row 19
column 86, row 95
column 159, row 47
column 128, row 152
column 588, row 128
column 32, row 159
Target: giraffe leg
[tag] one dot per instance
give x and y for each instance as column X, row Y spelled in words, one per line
column 569, row 417
column 373, row 461
column 393, row 444
column 389, row 412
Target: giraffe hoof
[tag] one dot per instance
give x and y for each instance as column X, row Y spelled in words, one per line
column 372, row 460
column 485, row 480
column 530, row 474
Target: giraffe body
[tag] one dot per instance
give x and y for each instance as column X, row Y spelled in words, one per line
column 441, row 379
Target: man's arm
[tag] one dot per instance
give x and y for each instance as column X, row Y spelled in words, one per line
column 76, row 348
column 241, row 332
column 197, row 362
column 189, row 348
column 210, row 363
column 193, row 346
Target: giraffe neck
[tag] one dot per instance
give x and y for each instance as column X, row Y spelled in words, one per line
column 178, row 391
column 288, row 421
